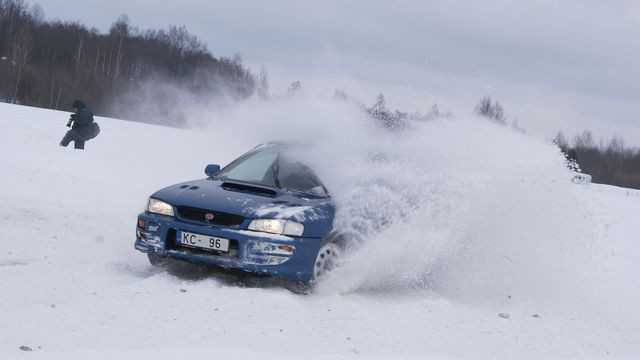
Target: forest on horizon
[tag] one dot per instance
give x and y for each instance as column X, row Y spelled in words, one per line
column 48, row 64
column 149, row 75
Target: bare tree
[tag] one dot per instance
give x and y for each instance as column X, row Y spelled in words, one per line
column 561, row 141
column 21, row 25
column 263, row 83
column 119, row 32
column 491, row 110
column 584, row 140
column 294, row 87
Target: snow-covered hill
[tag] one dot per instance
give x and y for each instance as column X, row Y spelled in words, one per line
column 497, row 256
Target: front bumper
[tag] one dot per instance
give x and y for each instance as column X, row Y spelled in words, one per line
column 250, row 251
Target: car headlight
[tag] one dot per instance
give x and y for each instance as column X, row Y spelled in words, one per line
column 277, row 226
column 159, row 207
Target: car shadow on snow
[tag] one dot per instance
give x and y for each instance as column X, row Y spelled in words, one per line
column 231, row 277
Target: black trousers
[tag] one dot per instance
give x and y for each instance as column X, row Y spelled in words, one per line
column 73, row 135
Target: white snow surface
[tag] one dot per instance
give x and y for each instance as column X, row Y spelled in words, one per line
column 488, row 250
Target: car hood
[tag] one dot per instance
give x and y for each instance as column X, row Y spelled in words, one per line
column 250, row 201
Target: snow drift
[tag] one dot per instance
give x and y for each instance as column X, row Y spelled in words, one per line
column 470, row 242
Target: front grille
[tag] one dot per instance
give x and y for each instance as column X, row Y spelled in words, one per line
column 200, row 215
column 233, row 252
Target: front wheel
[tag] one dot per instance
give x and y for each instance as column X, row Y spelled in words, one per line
column 327, row 260
column 157, row 260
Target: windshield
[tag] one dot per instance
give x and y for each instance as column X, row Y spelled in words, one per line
column 255, row 167
column 273, row 167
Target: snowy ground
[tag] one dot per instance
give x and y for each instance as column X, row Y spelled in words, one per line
column 72, row 286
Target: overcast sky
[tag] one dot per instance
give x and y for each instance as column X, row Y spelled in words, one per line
column 554, row 65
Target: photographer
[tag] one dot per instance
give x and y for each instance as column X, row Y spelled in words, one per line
column 82, row 129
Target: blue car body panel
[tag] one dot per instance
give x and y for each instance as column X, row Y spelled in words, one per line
column 249, row 250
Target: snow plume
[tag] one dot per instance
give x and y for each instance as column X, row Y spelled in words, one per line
column 461, row 206
column 166, row 102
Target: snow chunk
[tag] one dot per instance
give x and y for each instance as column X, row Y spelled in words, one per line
column 284, row 212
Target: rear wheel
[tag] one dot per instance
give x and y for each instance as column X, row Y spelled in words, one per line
column 157, row 260
column 327, row 259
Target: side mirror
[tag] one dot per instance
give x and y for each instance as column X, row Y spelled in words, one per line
column 211, row 169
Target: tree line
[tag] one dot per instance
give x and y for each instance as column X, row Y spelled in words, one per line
column 50, row 63
column 146, row 75
column 608, row 162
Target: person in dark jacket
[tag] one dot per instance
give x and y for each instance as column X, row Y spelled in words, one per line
column 82, row 129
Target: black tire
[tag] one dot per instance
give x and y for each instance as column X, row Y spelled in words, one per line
column 300, row 287
column 157, row 260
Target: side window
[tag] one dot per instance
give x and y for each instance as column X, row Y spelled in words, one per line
column 296, row 176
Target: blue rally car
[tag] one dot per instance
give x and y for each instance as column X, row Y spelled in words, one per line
column 265, row 212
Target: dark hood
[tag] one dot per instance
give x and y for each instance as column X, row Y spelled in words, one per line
column 249, row 201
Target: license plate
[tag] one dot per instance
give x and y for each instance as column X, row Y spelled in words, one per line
column 203, row 241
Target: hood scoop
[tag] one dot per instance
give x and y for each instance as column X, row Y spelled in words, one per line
column 194, row 187
column 248, row 188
